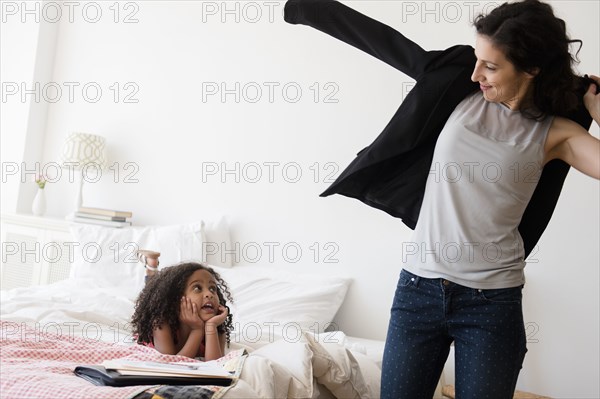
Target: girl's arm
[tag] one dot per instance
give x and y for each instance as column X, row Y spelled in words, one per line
column 215, row 345
column 189, row 321
column 362, row 32
column 163, row 340
column 215, row 342
column 189, row 318
column 192, row 344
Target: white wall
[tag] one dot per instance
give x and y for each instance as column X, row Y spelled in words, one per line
column 163, row 142
column 15, row 113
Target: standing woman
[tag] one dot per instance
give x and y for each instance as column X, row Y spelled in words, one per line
column 510, row 103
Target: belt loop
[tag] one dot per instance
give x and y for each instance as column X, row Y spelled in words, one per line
column 414, row 280
column 417, row 280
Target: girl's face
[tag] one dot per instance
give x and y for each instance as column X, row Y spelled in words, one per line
column 201, row 288
column 497, row 77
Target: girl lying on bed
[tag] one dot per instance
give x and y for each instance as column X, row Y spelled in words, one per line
column 182, row 310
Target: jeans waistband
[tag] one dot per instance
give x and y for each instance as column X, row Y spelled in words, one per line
column 441, row 282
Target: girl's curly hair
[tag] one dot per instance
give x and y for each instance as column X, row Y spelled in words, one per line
column 531, row 37
column 159, row 301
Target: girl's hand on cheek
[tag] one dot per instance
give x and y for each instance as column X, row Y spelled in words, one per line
column 219, row 318
column 188, row 314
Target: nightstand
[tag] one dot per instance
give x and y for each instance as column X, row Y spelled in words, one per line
column 35, row 250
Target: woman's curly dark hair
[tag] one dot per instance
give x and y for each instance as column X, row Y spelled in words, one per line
column 159, row 301
column 532, row 37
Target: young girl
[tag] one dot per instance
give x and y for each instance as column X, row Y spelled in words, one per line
column 182, row 310
column 509, row 103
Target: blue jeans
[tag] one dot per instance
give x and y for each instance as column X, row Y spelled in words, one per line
column 427, row 315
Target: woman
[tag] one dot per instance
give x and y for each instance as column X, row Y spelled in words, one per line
column 500, row 116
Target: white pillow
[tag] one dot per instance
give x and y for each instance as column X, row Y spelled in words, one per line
column 107, row 254
column 218, row 242
column 270, row 303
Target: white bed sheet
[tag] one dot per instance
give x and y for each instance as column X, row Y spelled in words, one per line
column 81, row 308
column 276, row 367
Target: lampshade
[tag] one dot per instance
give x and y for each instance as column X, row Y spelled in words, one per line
column 81, row 149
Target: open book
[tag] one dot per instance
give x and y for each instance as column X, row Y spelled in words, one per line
column 178, row 369
column 121, row 372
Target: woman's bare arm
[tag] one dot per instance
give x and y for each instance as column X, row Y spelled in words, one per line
column 571, row 143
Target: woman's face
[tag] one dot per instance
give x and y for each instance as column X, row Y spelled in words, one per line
column 497, row 77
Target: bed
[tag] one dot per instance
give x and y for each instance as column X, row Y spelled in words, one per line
column 282, row 345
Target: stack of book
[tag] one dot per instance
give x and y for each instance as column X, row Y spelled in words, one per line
column 104, row 217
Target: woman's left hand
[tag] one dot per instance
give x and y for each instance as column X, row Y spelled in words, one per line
column 591, row 99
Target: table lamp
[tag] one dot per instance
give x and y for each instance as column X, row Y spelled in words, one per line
column 82, row 151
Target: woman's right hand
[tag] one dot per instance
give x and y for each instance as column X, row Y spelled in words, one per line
column 188, row 314
column 591, row 99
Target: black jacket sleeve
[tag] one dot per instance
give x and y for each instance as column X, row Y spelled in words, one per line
column 362, row 32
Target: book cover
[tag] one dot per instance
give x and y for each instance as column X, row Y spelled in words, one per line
column 106, row 212
column 124, row 372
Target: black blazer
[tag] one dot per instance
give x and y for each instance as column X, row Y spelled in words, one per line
column 391, row 172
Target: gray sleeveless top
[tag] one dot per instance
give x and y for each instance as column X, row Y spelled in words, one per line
column 486, row 165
